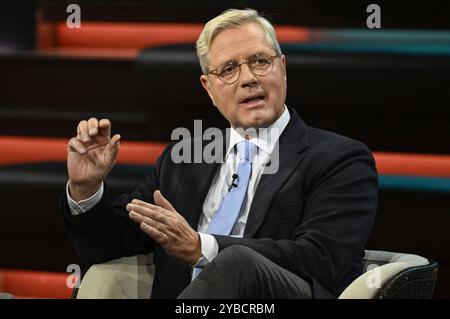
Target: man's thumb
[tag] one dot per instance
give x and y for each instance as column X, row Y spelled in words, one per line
column 113, row 148
column 161, row 201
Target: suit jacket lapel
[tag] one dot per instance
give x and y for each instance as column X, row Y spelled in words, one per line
column 292, row 144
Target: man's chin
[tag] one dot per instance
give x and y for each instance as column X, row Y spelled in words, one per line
column 254, row 124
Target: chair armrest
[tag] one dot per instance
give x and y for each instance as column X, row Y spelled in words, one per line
column 124, row 278
column 369, row 283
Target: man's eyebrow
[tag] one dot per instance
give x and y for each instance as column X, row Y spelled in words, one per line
column 220, row 64
column 260, row 52
column 227, row 61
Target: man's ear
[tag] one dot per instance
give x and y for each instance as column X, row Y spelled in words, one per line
column 283, row 62
column 207, row 86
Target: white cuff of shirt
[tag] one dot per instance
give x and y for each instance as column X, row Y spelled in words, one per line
column 77, row 208
column 210, row 249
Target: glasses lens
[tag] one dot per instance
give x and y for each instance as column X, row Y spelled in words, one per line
column 261, row 64
column 229, row 73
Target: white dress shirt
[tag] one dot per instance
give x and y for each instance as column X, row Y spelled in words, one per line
column 219, row 187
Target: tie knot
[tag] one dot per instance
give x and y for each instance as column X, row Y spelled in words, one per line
column 246, row 151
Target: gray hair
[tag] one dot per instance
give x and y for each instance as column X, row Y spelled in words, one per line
column 228, row 19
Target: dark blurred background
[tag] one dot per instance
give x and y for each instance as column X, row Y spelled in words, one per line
column 134, row 62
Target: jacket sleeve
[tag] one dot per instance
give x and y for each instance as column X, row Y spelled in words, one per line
column 337, row 219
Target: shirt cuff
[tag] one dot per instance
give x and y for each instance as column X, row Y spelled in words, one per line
column 210, row 249
column 77, row 208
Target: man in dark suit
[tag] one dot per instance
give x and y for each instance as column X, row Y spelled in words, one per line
column 234, row 228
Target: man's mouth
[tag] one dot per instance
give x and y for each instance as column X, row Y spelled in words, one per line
column 253, row 100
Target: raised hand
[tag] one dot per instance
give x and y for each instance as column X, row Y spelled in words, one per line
column 90, row 157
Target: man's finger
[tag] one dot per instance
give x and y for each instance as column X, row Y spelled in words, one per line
column 139, row 218
column 144, row 211
column 75, row 145
column 104, row 128
column 149, row 221
column 82, row 132
column 161, row 212
column 151, row 211
column 92, row 126
column 153, row 207
column 112, row 149
column 144, row 204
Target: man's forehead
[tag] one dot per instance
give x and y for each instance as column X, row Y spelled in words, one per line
column 239, row 42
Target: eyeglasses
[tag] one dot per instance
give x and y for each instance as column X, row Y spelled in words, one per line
column 260, row 64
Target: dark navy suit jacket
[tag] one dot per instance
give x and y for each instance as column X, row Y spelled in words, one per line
column 313, row 217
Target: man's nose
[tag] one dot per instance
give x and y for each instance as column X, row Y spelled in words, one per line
column 247, row 77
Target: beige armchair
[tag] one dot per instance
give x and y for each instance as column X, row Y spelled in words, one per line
column 390, row 275
column 124, row 278
column 386, row 275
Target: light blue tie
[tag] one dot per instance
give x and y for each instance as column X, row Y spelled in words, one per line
column 228, row 212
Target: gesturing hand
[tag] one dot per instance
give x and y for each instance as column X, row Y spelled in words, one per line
column 90, row 157
column 167, row 227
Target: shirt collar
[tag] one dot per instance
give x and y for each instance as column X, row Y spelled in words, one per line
column 266, row 141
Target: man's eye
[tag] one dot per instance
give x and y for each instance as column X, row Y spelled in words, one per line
column 227, row 70
column 261, row 61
